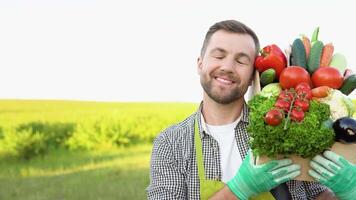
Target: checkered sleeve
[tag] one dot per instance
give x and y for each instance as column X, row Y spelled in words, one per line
column 166, row 181
column 313, row 189
column 303, row 190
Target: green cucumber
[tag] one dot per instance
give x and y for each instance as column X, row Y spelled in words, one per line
column 314, row 56
column 298, row 54
column 349, row 85
column 268, row 76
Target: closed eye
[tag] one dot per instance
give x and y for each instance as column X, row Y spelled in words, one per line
column 218, row 57
column 243, row 59
column 242, row 62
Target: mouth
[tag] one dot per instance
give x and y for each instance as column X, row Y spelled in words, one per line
column 224, row 80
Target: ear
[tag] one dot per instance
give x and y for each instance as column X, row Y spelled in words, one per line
column 199, row 64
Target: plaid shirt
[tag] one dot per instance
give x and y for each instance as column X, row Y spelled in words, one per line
column 174, row 172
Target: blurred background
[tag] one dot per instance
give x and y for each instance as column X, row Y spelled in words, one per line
column 85, row 86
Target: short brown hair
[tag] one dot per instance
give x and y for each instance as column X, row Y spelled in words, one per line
column 230, row 26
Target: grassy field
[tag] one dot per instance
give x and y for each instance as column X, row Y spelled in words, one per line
column 80, row 160
column 115, row 174
column 105, row 169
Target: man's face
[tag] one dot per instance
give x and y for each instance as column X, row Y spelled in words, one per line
column 226, row 67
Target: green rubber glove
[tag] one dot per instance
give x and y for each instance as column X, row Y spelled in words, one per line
column 335, row 172
column 252, row 179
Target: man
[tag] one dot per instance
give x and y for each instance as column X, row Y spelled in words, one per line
column 207, row 154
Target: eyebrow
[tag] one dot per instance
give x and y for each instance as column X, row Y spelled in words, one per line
column 239, row 55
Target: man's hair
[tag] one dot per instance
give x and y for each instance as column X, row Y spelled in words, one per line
column 232, row 26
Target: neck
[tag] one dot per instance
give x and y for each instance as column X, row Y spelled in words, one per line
column 219, row 114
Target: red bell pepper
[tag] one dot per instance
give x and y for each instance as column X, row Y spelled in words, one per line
column 271, row 57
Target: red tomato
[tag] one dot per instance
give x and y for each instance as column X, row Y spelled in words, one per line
column 297, row 115
column 282, row 104
column 292, row 76
column 273, row 117
column 327, row 76
column 302, row 86
column 304, row 105
column 286, row 95
column 320, row 92
column 304, row 94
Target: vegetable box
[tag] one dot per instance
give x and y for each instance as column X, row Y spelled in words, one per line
column 346, row 150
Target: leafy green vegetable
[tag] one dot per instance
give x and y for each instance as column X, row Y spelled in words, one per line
column 306, row 139
column 272, row 89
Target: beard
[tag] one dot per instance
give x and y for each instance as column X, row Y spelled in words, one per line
column 223, row 95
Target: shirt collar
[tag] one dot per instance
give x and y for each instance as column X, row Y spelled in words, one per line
column 201, row 122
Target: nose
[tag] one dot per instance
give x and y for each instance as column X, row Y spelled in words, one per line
column 228, row 65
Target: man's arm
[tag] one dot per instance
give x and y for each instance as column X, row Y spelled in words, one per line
column 224, row 194
column 251, row 180
column 166, row 181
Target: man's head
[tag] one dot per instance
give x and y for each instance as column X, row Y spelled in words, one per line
column 232, row 26
column 226, row 62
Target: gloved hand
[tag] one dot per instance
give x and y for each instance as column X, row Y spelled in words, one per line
column 252, row 179
column 336, row 173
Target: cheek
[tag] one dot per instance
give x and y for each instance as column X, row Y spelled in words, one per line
column 246, row 75
column 205, row 69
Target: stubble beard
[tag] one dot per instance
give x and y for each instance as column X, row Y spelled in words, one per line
column 219, row 94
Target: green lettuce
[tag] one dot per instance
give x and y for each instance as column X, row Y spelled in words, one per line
column 306, row 139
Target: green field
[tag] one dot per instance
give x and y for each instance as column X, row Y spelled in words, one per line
column 116, row 174
column 76, row 150
column 79, row 150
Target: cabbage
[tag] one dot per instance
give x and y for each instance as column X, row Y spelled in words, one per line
column 271, row 90
column 340, row 105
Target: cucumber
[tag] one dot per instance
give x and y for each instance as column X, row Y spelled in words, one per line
column 314, row 56
column 349, row 84
column 339, row 62
column 298, row 54
column 267, row 76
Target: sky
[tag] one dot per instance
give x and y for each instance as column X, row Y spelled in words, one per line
column 142, row 50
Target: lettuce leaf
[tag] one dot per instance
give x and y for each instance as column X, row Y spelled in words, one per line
column 306, row 139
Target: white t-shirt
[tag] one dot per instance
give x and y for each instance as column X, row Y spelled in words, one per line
column 229, row 153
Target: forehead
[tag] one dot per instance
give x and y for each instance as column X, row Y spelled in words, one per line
column 232, row 42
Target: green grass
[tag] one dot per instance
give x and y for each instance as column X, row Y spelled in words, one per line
column 16, row 112
column 107, row 171
column 101, row 124
column 114, row 174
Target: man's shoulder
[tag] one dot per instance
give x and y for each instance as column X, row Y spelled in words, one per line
column 178, row 132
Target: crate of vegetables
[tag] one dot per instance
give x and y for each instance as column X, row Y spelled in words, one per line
column 301, row 105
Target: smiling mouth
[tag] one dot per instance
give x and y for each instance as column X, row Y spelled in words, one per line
column 224, row 81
